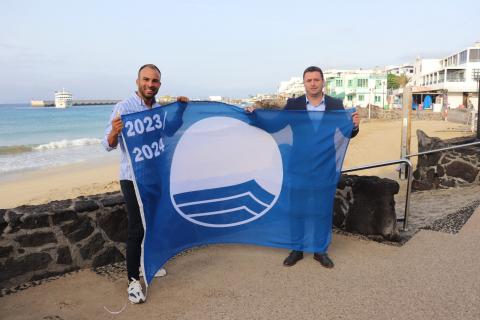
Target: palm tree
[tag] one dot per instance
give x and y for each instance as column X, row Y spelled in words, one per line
column 403, row 80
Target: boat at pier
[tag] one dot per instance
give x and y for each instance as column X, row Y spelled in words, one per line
column 63, row 99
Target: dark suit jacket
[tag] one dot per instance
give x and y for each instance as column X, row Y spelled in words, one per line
column 331, row 103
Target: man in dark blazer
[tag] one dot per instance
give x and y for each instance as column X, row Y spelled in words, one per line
column 313, row 100
column 316, row 100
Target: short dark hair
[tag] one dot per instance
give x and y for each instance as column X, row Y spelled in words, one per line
column 313, row 69
column 150, row 66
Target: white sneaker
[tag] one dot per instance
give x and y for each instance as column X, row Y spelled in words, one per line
column 135, row 293
column 160, row 273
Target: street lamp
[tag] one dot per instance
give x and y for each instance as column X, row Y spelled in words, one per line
column 476, row 76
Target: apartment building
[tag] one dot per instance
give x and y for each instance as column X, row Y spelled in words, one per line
column 451, row 80
column 358, row 88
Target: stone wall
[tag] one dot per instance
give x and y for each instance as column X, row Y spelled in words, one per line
column 446, row 169
column 396, row 114
column 460, row 116
column 61, row 236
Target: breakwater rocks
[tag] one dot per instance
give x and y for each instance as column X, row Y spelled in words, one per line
column 41, row 241
column 445, row 169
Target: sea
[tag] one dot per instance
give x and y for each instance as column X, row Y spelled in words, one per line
column 33, row 138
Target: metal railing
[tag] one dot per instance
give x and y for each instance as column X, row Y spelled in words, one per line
column 409, row 183
column 443, row 149
column 409, row 172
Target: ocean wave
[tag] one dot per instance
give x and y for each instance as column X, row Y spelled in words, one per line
column 67, row 144
column 4, row 150
column 61, row 144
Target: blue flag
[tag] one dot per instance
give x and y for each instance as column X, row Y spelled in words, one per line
column 209, row 172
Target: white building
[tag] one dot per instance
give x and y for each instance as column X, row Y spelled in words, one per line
column 406, row 69
column 357, row 88
column 291, row 88
column 215, row 98
column 450, row 79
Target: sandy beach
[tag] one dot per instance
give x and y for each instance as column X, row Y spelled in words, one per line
column 433, row 276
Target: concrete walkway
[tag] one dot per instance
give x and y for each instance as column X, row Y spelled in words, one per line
column 434, row 276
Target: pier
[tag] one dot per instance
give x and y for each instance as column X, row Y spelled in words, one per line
column 51, row 103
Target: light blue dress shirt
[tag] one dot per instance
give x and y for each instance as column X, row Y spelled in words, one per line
column 319, row 107
column 130, row 105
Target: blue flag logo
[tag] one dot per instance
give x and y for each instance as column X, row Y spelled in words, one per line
column 223, row 187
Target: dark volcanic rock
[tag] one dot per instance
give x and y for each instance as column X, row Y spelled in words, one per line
column 36, row 239
column 64, row 215
column 5, row 251
column 440, row 171
column 462, row 170
column 3, row 223
column 113, row 200
column 421, row 185
column 373, row 208
column 111, row 255
column 78, row 229
column 22, row 265
column 64, row 256
column 94, row 245
column 449, row 168
column 33, row 221
column 114, row 224
column 13, row 219
column 85, row 205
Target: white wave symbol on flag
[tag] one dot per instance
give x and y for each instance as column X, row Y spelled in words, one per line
column 225, row 206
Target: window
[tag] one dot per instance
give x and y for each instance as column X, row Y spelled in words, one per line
column 476, row 74
column 339, row 83
column 349, row 98
column 441, row 76
column 474, row 55
column 455, row 75
column 350, row 83
column 362, row 83
column 361, row 97
column 377, row 98
column 463, row 57
column 378, row 83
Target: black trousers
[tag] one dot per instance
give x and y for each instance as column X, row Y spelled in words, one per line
column 135, row 230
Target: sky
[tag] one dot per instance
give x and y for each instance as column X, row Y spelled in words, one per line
column 233, row 49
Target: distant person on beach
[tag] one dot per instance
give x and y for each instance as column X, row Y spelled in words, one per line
column 148, row 84
column 313, row 100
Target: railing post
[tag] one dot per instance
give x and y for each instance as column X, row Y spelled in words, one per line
column 406, row 129
column 407, row 197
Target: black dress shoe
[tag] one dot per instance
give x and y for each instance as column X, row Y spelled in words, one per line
column 293, row 258
column 323, row 259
